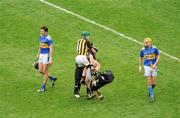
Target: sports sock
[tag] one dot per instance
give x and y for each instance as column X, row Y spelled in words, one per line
column 51, row 77
column 153, row 86
column 43, row 86
column 150, row 91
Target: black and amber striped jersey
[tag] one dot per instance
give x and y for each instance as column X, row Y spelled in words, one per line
column 83, row 45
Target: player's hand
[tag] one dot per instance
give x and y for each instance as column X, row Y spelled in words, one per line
column 50, row 62
column 92, row 68
column 154, row 66
column 140, row 68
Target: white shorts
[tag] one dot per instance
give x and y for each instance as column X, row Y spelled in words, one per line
column 148, row 71
column 81, row 60
column 44, row 58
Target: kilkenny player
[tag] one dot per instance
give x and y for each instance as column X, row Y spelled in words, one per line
column 82, row 63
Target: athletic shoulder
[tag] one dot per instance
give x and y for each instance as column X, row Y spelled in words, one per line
column 49, row 37
column 155, row 47
column 80, row 39
column 142, row 48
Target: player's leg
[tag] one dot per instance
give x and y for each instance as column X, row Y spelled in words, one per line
column 40, row 68
column 78, row 74
column 149, row 83
column 77, row 78
column 43, row 68
column 154, row 77
column 42, row 59
column 83, row 77
column 82, row 62
column 153, row 81
column 99, row 95
column 45, row 71
column 96, row 65
column 150, row 89
column 46, row 67
column 86, row 71
column 87, row 76
column 89, row 80
column 52, row 78
column 147, row 74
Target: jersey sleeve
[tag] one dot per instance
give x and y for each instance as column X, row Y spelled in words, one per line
column 157, row 51
column 141, row 53
column 89, row 44
column 49, row 42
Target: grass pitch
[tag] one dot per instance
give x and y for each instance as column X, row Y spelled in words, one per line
column 126, row 96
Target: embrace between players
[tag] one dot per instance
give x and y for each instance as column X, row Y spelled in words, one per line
column 87, row 64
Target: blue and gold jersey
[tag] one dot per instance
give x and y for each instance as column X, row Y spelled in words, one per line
column 149, row 55
column 45, row 43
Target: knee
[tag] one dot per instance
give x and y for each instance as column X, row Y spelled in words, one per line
column 41, row 71
column 46, row 75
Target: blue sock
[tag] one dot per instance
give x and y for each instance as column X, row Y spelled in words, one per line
column 153, row 86
column 43, row 86
column 150, row 91
column 51, row 78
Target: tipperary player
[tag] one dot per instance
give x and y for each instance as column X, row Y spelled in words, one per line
column 45, row 57
column 151, row 56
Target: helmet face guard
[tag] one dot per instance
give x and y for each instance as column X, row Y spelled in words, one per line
column 86, row 37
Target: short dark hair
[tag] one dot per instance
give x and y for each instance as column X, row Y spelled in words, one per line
column 45, row 28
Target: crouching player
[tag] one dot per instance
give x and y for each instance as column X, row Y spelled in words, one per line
column 95, row 67
column 45, row 57
column 151, row 56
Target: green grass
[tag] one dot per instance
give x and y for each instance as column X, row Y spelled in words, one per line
column 126, row 96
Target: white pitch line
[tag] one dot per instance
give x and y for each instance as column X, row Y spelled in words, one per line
column 105, row 27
